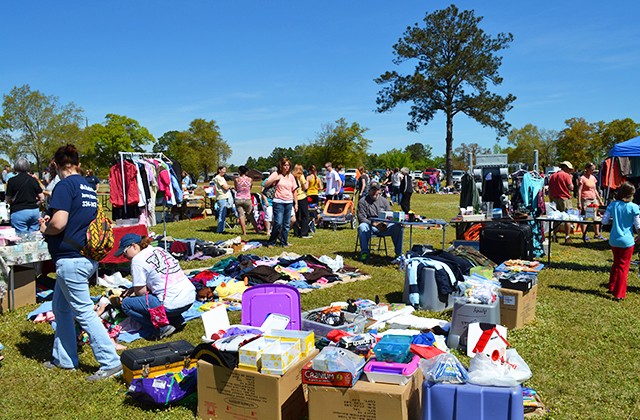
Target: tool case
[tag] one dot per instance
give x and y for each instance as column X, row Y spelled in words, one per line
column 156, row 360
column 504, row 241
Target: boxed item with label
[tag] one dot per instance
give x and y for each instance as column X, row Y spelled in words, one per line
column 280, row 356
column 250, row 355
column 234, row 393
column 306, row 339
column 366, row 400
column 24, row 283
column 517, row 307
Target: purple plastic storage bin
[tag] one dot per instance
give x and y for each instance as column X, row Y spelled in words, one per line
column 471, row 402
column 261, row 300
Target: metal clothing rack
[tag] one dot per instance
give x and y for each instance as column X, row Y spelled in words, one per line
column 158, row 155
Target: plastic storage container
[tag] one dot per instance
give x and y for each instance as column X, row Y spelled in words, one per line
column 354, row 324
column 466, row 402
column 393, row 348
column 464, row 314
column 429, row 299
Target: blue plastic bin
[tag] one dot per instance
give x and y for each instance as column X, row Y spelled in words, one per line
column 471, row 402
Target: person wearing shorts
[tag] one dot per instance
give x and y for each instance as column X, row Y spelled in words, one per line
column 561, row 193
column 243, row 200
column 588, row 196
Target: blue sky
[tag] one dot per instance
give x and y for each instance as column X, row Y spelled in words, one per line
column 272, row 73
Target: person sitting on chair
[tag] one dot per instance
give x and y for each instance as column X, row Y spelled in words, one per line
column 368, row 208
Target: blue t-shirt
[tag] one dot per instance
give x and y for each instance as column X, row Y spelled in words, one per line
column 75, row 196
column 622, row 216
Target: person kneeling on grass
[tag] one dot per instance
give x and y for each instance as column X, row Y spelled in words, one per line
column 370, row 207
column 624, row 216
column 152, row 270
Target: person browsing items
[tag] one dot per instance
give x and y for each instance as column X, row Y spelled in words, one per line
column 157, row 280
column 561, row 193
column 73, row 206
column 370, row 207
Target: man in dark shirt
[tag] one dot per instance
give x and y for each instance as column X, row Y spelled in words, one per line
column 368, row 208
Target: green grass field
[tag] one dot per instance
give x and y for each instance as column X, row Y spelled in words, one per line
column 582, row 348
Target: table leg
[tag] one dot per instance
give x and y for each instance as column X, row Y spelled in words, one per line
column 444, row 233
column 410, row 237
column 12, row 289
column 550, row 240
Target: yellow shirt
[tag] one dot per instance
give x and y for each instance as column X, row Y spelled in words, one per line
column 301, row 193
column 314, row 186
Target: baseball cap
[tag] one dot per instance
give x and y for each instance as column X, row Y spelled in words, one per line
column 126, row 241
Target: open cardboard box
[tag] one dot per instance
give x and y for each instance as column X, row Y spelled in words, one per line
column 366, row 400
column 242, row 394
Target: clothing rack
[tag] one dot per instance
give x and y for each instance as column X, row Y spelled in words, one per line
column 143, row 155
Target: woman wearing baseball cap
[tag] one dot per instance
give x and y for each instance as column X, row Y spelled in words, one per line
column 153, row 268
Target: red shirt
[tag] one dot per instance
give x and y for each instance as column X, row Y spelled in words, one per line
column 560, row 185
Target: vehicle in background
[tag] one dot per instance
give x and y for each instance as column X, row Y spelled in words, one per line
column 350, row 182
column 456, row 178
column 380, row 172
column 550, row 170
column 351, row 172
column 265, row 175
column 416, row 175
column 426, row 174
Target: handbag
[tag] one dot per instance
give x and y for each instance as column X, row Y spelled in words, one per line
column 158, row 314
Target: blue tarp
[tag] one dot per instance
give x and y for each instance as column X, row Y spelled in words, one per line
column 629, row 148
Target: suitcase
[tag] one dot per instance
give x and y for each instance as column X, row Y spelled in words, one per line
column 156, row 360
column 504, row 241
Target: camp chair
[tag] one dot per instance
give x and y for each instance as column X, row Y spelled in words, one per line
column 382, row 240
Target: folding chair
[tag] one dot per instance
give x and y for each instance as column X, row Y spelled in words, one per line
column 382, row 240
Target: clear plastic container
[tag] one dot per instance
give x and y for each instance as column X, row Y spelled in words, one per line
column 393, row 348
column 354, row 323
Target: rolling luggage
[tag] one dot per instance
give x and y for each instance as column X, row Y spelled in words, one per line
column 156, row 360
column 504, row 241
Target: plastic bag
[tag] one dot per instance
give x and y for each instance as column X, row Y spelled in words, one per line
column 165, row 389
column 444, row 368
column 512, row 371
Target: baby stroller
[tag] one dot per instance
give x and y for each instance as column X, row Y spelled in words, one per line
column 338, row 212
column 258, row 211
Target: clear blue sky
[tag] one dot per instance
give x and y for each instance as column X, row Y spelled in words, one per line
column 271, row 73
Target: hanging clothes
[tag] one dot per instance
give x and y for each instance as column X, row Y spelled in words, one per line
column 611, row 176
column 469, row 195
column 532, row 193
column 128, row 185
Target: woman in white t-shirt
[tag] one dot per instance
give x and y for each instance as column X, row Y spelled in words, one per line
column 151, row 269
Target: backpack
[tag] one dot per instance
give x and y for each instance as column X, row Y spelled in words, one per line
column 100, row 238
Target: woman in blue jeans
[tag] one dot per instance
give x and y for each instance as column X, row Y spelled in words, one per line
column 25, row 194
column 157, row 280
column 284, row 202
column 72, row 207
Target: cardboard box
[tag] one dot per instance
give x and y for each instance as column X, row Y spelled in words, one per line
column 366, row 400
column 239, row 394
column 517, row 308
column 310, row 376
column 25, row 288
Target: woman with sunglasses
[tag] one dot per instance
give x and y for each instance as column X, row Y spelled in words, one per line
column 284, row 202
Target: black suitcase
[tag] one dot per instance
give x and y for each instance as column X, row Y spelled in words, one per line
column 156, row 360
column 505, row 241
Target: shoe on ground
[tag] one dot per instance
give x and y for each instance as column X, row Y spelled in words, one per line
column 307, row 237
column 568, row 240
column 600, row 237
column 50, row 365
column 364, row 256
column 165, row 331
column 396, row 260
column 105, row 374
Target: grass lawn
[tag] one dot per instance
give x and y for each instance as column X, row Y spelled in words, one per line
column 582, row 348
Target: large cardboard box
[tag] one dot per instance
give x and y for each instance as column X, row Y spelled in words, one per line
column 517, row 308
column 25, row 288
column 242, row 394
column 367, row 400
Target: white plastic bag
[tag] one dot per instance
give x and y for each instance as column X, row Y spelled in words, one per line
column 444, row 368
column 511, row 372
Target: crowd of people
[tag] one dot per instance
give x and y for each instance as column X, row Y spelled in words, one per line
column 291, row 195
